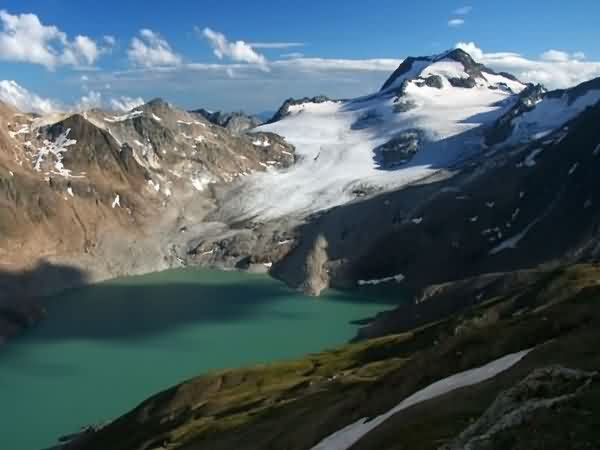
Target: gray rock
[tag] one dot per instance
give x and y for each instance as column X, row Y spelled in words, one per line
column 467, row 83
column 399, row 150
column 434, row 81
column 284, row 110
column 235, row 122
column 543, row 389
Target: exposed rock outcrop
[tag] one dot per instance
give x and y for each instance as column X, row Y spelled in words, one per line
column 546, row 388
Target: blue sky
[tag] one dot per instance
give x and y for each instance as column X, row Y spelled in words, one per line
column 341, row 49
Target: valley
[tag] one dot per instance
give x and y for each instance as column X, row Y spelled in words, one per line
column 103, row 349
column 453, row 214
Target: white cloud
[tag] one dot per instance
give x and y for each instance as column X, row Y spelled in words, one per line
column 279, row 45
column 23, row 38
column 456, row 22
column 125, row 104
column 555, row 69
column 327, row 64
column 111, row 41
column 22, row 99
column 82, row 48
column 93, row 99
column 561, row 56
column 238, row 51
column 151, row 50
column 292, row 55
column 463, row 11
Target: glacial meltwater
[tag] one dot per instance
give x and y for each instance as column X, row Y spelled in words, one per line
column 105, row 348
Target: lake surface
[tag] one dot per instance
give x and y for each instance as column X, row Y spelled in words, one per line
column 105, row 348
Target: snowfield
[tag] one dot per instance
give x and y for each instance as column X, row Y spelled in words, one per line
column 550, row 114
column 335, row 143
column 348, row 436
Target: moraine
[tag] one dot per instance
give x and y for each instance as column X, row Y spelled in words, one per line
column 105, row 348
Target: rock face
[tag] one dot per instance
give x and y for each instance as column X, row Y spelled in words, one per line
column 75, row 190
column 469, row 76
column 284, row 110
column 235, row 122
column 546, row 388
column 508, row 208
column 399, row 150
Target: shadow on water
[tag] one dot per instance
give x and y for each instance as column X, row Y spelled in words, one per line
column 140, row 307
column 20, row 291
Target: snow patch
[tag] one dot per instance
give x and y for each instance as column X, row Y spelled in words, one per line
column 530, row 160
column 200, row 183
column 573, row 169
column 348, row 436
column 24, row 130
column 397, row 278
column 261, row 142
column 513, row 241
column 550, row 114
column 124, row 117
column 55, row 149
column 116, row 202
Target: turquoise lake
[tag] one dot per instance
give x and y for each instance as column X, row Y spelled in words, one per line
column 105, row 348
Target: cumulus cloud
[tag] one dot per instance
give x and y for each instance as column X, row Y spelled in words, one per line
column 24, row 100
column 457, row 22
column 111, row 41
column 555, row 69
column 561, row 56
column 24, row 38
column 91, row 100
column 124, row 104
column 238, row 51
column 152, row 50
column 16, row 95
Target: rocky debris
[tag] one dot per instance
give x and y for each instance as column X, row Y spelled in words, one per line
column 235, row 122
column 545, row 388
column 317, row 277
column 284, row 110
column 400, row 149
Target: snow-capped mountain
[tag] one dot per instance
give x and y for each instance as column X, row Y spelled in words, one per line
column 452, row 177
column 78, row 189
column 441, row 129
column 430, row 115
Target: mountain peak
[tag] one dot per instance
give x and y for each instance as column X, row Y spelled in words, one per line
column 456, row 66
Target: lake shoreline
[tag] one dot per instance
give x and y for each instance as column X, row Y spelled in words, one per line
column 98, row 339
